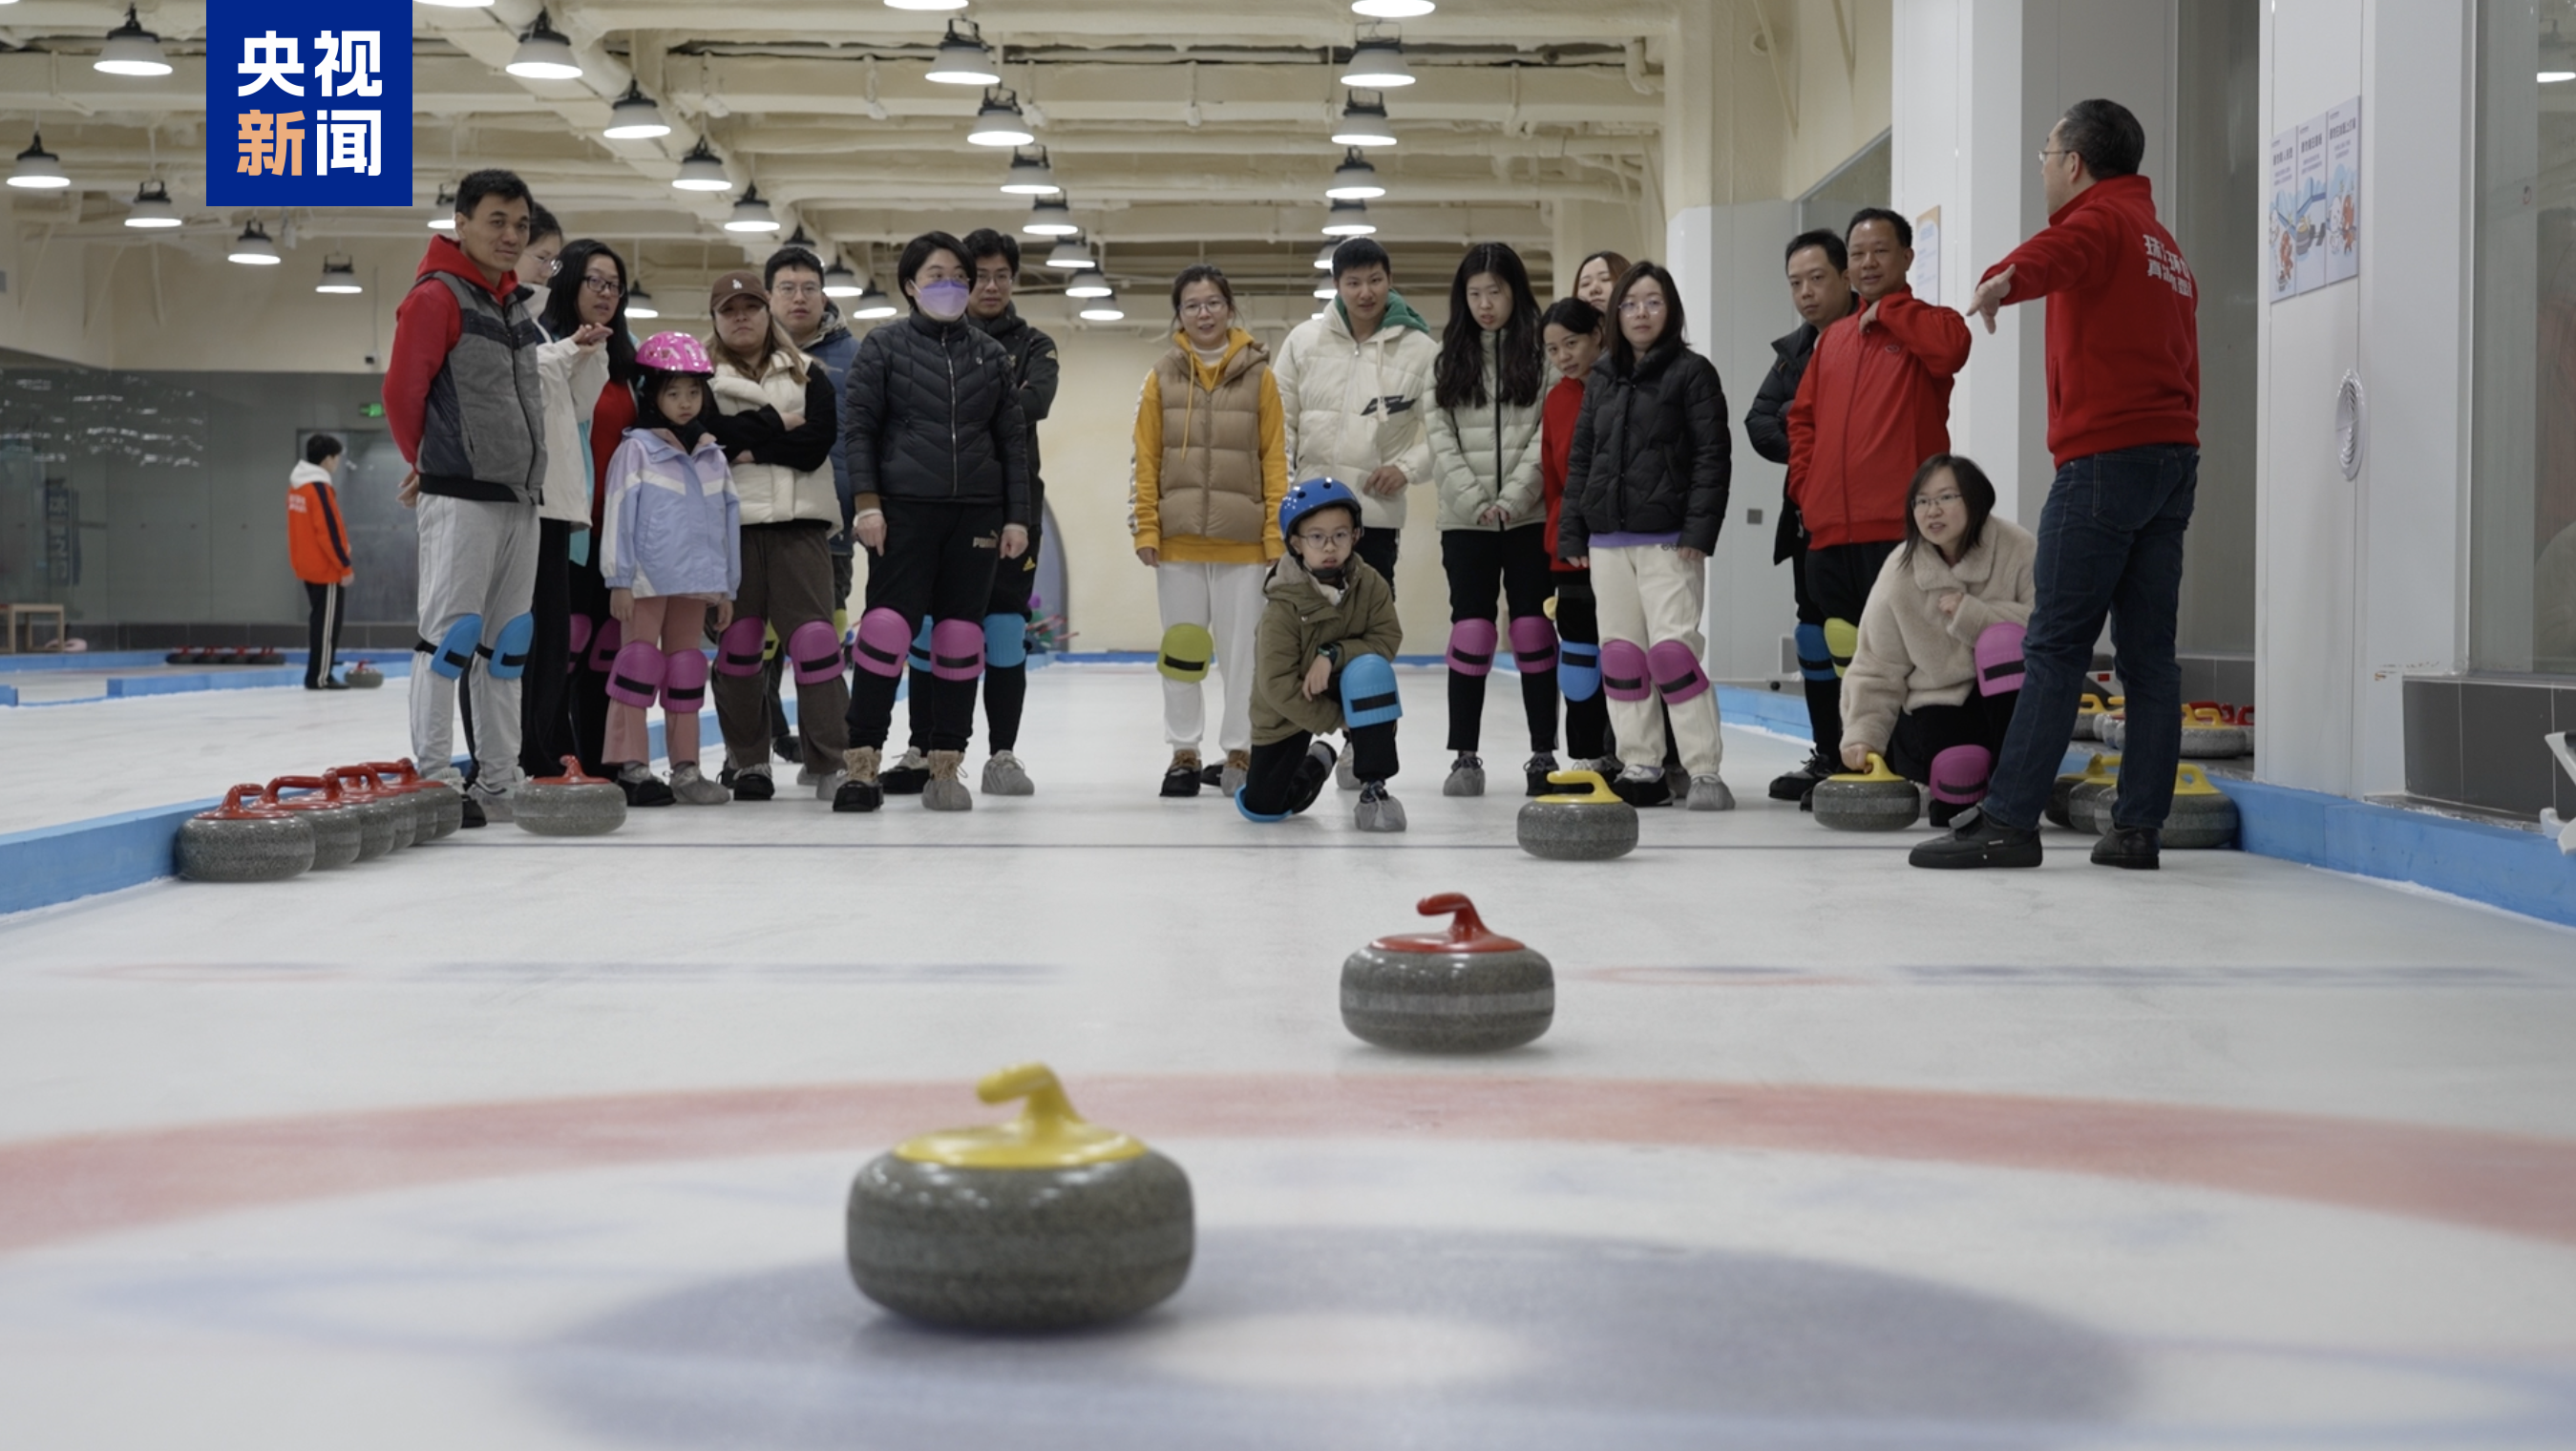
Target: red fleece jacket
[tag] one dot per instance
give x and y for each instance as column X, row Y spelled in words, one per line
column 2123, row 331
column 1873, row 405
column 426, row 326
column 1556, row 420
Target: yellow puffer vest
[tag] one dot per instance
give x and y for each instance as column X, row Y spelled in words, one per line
column 1210, row 483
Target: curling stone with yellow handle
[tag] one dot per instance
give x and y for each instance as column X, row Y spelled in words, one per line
column 2208, row 734
column 1466, row 990
column 1877, row 799
column 2202, row 816
column 2101, row 768
column 1042, row 1223
column 2088, row 805
column 1588, row 823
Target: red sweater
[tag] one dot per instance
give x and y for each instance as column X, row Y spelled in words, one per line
column 2123, row 338
column 426, row 326
column 1874, row 404
column 610, row 417
column 1556, row 420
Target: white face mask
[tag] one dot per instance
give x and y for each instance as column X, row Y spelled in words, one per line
column 945, row 301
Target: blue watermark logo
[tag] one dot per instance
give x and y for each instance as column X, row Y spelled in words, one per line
column 308, row 103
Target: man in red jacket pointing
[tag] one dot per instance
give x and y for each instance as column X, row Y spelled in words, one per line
column 2124, row 427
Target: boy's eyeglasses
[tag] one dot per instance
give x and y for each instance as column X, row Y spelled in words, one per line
column 1335, row 540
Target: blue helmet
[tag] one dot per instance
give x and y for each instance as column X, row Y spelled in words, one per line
column 1306, row 498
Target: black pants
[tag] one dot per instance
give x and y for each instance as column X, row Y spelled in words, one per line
column 1587, row 722
column 1833, row 583
column 545, row 716
column 587, row 594
column 322, row 631
column 1271, row 786
column 783, row 736
column 938, row 561
column 1006, row 687
column 1487, row 567
column 1379, row 547
column 1920, row 735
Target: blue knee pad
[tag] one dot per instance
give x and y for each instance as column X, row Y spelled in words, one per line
column 1006, row 641
column 464, row 640
column 1578, row 669
column 1815, row 661
column 1368, row 692
column 921, row 647
column 1251, row 815
column 509, row 653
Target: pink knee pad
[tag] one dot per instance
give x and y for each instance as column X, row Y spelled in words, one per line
column 603, row 645
column 636, row 677
column 580, row 643
column 1999, row 658
column 957, row 649
column 883, row 641
column 1959, row 775
column 1533, row 644
column 738, row 649
column 815, row 652
column 684, row 681
column 1471, row 647
column 1623, row 671
column 1677, row 672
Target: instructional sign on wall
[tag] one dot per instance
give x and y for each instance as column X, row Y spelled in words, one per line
column 1925, row 279
column 308, row 103
column 2313, row 230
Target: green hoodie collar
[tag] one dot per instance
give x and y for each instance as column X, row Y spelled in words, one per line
column 1399, row 313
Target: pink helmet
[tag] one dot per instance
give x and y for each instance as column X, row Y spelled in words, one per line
column 674, row 352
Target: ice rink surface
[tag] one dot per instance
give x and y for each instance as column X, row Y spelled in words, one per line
column 514, row 1142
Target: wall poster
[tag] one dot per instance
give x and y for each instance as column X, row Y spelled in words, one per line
column 1925, row 279
column 2312, row 234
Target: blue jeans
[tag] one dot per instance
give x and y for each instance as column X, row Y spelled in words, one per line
column 2110, row 540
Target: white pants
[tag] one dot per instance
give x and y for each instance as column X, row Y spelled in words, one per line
column 476, row 558
column 1226, row 599
column 1647, row 595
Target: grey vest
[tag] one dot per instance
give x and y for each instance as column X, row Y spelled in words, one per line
column 484, row 435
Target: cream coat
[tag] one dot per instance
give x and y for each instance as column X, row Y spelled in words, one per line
column 568, row 386
column 1351, row 407
column 772, row 494
column 1910, row 654
column 1487, row 455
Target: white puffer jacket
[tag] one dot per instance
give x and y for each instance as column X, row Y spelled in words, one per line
column 772, row 493
column 1351, row 407
column 1910, row 654
column 568, row 386
column 1488, row 455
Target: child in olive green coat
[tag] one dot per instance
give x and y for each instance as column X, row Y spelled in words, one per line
column 1326, row 648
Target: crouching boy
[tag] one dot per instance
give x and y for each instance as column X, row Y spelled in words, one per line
column 1326, row 648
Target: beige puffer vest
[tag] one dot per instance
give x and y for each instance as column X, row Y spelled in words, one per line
column 1210, row 485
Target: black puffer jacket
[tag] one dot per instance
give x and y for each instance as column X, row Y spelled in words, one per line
column 1766, row 426
column 1652, row 454
column 932, row 412
column 1034, row 364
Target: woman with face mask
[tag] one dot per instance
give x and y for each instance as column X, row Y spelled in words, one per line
column 938, row 454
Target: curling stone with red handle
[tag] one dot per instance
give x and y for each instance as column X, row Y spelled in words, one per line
column 244, row 842
column 571, row 804
column 1466, row 990
column 366, row 788
column 438, row 809
column 339, row 829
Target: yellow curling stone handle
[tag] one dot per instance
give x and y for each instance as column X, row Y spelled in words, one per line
column 1877, row 771
column 1048, row 1134
column 1596, row 792
column 2191, row 780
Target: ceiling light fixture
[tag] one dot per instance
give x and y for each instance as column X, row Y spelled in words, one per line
column 1104, row 308
column 639, row 303
column 253, row 248
column 339, row 276
column 635, row 117
column 1087, row 284
column 1354, row 179
column 39, row 169
column 1071, row 256
column 1324, row 258
column 751, row 214
column 1363, row 120
column 1349, row 219
column 961, row 59
column 443, row 211
column 1377, row 63
column 701, row 171
column 840, row 281
column 999, row 122
column 1031, row 175
column 1326, row 291
column 152, row 207
column 1393, row 9
column 925, row 4
column 873, row 305
column 460, row 4
column 544, row 54
column 131, row 50
column 1050, row 217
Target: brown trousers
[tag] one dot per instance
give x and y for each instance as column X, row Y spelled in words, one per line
column 786, row 581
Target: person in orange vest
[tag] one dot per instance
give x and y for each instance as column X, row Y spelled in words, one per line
column 317, row 542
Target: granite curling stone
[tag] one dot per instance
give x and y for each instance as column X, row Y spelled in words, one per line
column 1043, row 1223
column 2207, row 734
column 1874, row 800
column 2088, row 805
column 438, row 809
column 362, row 676
column 1588, row 824
column 244, row 843
column 1466, row 990
column 2089, row 710
column 2060, row 794
column 366, row 791
column 2202, row 816
column 571, row 804
column 339, row 832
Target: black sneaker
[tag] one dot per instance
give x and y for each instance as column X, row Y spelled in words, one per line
column 1945, row 813
column 1186, row 775
column 787, row 748
column 858, row 795
column 1641, row 790
column 330, row 684
column 1213, row 774
column 2132, row 848
column 1984, row 842
column 473, row 814
column 753, row 786
column 1312, row 773
column 1794, row 785
column 646, row 791
column 905, row 777
column 1536, row 770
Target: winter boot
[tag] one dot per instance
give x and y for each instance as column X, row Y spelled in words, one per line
column 1377, row 811
column 752, row 783
column 861, row 791
column 944, row 792
column 1005, row 776
column 1643, row 786
column 1182, row 778
column 1236, row 771
column 907, row 776
column 1466, row 777
column 641, row 786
